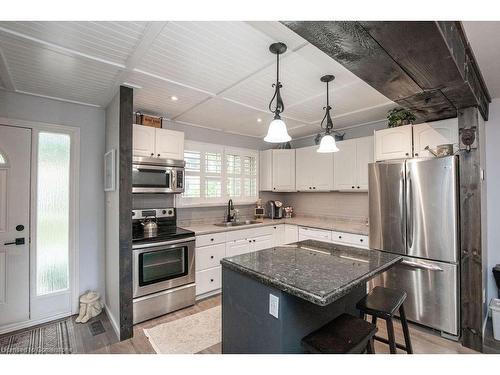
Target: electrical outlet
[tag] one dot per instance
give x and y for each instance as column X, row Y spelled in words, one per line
column 274, row 305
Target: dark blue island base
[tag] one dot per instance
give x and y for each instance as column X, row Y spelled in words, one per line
column 247, row 326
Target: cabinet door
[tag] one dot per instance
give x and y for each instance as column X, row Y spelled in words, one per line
column 262, row 242
column 344, row 166
column 278, row 235
column 393, row 143
column 321, row 168
column 291, row 233
column 143, row 141
column 169, row 144
column 266, row 170
column 364, row 156
column 433, row 134
column 209, row 256
column 237, row 247
column 283, row 170
column 303, row 169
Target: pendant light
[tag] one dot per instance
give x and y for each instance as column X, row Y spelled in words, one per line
column 327, row 143
column 277, row 132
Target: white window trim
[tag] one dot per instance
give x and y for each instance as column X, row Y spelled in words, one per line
column 203, row 202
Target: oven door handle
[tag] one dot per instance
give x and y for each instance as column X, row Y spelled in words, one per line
column 156, row 244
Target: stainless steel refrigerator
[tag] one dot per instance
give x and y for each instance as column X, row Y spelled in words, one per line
column 413, row 211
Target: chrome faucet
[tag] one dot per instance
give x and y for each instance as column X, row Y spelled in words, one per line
column 230, row 208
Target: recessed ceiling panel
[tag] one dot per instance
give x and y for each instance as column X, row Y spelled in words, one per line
column 113, row 41
column 207, row 55
column 163, row 98
column 42, row 71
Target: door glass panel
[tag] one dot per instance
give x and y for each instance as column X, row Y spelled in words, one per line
column 3, row 159
column 52, row 222
column 157, row 266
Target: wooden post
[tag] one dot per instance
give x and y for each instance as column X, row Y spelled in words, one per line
column 471, row 263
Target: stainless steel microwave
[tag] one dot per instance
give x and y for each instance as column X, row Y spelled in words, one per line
column 155, row 175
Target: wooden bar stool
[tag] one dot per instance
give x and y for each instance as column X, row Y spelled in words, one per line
column 383, row 303
column 344, row 335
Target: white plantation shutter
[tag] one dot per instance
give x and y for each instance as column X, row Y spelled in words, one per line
column 216, row 173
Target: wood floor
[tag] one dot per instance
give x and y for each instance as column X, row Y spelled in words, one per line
column 423, row 340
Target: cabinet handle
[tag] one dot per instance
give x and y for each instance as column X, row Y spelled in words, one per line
column 211, row 280
column 416, row 154
column 340, row 236
column 360, row 240
column 314, row 187
column 249, row 240
column 212, row 239
column 158, row 155
column 352, row 187
column 407, row 154
column 212, row 257
column 358, row 187
column 152, row 154
column 274, row 227
column 309, row 188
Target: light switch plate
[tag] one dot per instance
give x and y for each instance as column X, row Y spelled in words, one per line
column 274, row 305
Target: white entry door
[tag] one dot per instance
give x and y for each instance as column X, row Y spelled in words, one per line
column 15, row 172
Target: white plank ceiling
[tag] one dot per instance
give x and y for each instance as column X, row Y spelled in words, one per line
column 220, row 73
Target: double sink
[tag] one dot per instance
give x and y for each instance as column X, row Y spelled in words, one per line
column 237, row 223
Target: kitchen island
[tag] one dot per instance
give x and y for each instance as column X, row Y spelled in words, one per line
column 274, row 297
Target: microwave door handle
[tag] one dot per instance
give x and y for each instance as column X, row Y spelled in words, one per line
column 173, row 179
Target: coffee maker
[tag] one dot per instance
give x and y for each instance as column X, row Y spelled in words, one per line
column 274, row 209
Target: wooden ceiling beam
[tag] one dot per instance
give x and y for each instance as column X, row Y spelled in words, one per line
column 424, row 66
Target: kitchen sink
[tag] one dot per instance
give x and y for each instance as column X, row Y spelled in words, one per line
column 237, row 223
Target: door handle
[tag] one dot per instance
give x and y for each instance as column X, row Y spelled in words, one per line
column 18, row 241
column 423, row 266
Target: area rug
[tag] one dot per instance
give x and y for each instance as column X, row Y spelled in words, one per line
column 53, row 338
column 187, row 335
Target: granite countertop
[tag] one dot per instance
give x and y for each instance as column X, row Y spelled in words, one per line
column 317, row 272
column 341, row 225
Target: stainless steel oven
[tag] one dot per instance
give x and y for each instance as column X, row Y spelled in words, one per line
column 154, row 175
column 162, row 265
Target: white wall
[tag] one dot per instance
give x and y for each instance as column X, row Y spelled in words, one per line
column 493, row 192
column 90, row 120
column 112, row 219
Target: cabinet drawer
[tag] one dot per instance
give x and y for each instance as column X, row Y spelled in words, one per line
column 208, row 280
column 242, row 234
column 210, row 239
column 314, row 234
column 209, row 256
column 357, row 240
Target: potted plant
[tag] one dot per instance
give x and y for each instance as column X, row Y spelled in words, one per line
column 400, row 116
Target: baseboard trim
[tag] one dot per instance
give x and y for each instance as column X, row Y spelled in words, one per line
column 31, row 323
column 208, row 294
column 113, row 321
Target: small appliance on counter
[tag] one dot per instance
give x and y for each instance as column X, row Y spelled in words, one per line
column 288, row 212
column 163, row 262
column 259, row 211
column 274, row 209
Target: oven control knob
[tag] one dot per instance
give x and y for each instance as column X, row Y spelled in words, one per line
column 164, row 212
column 170, row 212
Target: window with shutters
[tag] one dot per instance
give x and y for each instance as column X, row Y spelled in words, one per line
column 216, row 173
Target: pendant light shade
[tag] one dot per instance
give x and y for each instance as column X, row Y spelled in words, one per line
column 277, row 132
column 327, row 144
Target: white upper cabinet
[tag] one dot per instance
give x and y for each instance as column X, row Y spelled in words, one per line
column 169, row 144
column 364, row 156
column 143, row 141
column 154, row 142
column 351, row 164
column 266, row 170
column 393, row 143
column 283, row 165
column 433, row 134
column 313, row 170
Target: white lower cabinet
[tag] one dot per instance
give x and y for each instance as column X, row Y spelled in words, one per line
column 291, row 233
column 208, row 280
column 211, row 248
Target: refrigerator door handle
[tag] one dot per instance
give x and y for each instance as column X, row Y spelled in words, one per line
column 409, row 211
column 402, row 205
column 422, row 265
